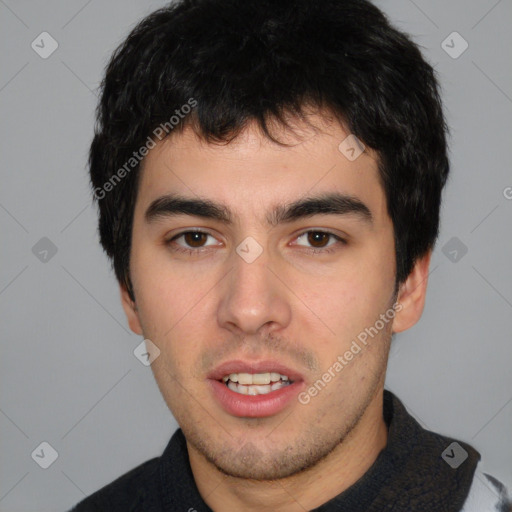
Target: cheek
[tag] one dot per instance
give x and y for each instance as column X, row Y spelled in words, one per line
column 163, row 294
column 336, row 304
column 352, row 298
column 170, row 304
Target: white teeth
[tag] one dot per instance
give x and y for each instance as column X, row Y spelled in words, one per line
column 244, row 378
column 255, row 383
column 255, row 378
column 259, row 390
column 261, row 378
column 244, row 389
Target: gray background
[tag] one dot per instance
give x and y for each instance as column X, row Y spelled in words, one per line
column 68, row 373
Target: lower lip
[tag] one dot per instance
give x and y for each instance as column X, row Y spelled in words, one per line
column 254, row 406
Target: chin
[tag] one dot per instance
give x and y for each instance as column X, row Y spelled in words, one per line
column 271, row 462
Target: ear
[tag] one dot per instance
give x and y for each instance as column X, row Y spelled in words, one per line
column 130, row 310
column 411, row 295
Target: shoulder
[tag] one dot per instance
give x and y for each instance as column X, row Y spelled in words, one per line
column 136, row 490
column 487, row 494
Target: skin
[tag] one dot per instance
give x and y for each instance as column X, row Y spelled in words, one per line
column 291, row 305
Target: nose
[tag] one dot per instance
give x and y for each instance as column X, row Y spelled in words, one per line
column 253, row 298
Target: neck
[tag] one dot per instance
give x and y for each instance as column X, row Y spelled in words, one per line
column 306, row 490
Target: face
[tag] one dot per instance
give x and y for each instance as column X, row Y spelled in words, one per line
column 266, row 264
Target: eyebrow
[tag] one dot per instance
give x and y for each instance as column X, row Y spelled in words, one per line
column 325, row 204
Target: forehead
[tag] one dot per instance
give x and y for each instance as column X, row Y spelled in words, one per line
column 252, row 173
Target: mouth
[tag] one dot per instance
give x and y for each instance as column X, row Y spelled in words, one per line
column 254, row 389
column 255, row 383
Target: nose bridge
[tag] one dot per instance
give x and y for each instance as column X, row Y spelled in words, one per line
column 252, row 296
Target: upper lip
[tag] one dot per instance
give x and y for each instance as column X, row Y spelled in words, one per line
column 267, row 366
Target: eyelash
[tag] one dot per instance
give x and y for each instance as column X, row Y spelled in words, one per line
column 311, row 250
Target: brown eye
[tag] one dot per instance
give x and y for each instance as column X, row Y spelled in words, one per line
column 320, row 242
column 192, row 242
column 195, row 238
column 318, row 238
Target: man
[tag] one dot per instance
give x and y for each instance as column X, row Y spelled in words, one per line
column 269, row 178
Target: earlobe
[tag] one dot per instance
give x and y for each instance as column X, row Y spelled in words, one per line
column 411, row 296
column 130, row 310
